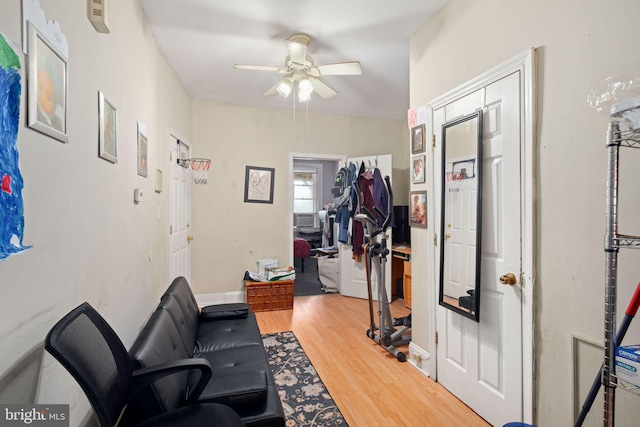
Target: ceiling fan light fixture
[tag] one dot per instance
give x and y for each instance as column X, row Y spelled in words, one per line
column 285, row 86
column 304, row 96
column 305, row 89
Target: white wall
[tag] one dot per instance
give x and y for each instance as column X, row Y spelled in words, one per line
column 90, row 242
column 579, row 43
column 230, row 235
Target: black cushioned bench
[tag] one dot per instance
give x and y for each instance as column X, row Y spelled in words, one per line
column 224, row 336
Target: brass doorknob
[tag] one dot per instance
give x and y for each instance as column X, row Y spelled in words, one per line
column 189, row 238
column 447, row 236
column 508, row 279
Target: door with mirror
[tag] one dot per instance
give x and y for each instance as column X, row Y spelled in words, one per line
column 462, row 214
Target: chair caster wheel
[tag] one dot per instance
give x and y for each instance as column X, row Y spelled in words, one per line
column 401, row 357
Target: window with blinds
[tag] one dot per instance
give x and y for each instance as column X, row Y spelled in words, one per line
column 304, row 192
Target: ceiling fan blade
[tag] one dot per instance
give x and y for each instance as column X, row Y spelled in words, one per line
column 259, row 68
column 273, row 91
column 297, row 51
column 341, row 69
column 322, row 89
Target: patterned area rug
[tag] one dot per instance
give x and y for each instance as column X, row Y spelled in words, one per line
column 305, row 399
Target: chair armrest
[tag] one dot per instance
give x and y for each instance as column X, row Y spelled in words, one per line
column 147, row 376
column 224, row 311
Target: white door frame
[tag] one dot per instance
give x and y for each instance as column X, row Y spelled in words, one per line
column 525, row 63
column 304, row 156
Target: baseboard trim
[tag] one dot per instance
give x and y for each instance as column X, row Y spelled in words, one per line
column 219, row 298
column 419, row 359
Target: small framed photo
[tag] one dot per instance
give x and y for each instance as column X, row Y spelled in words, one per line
column 47, row 87
column 417, row 174
column 258, row 184
column 108, row 143
column 417, row 139
column 143, row 166
column 418, row 209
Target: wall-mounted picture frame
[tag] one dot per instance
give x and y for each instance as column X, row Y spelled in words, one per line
column 143, row 164
column 258, row 184
column 159, row 183
column 417, row 139
column 417, row 169
column 418, row 209
column 47, row 87
column 107, row 129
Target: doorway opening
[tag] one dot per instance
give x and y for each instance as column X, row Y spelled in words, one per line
column 311, row 177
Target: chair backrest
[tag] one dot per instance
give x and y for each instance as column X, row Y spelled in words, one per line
column 85, row 344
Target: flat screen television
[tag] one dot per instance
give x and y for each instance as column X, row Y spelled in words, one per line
column 401, row 230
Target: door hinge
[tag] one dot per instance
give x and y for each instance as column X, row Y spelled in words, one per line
column 436, row 337
column 435, row 240
column 433, row 140
column 170, row 229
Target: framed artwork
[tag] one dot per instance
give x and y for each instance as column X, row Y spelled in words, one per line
column 142, row 151
column 47, row 87
column 108, row 143
column 258, row 184
column 418, row 209
column 418, row 169
column 417, row 139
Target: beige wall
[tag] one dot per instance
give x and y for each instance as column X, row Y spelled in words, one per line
column 230, row 235
column 579, row 43
column 90, row 242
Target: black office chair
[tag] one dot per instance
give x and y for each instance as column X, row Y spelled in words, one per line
column 85, row 344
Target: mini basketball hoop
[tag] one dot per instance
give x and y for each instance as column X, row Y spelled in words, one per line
column 199, row 169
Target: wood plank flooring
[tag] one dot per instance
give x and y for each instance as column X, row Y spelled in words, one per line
column 368, row 384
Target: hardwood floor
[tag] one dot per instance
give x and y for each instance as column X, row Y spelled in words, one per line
column 368, row 384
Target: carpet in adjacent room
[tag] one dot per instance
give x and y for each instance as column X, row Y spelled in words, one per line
column 305, row 399
column 307, row 283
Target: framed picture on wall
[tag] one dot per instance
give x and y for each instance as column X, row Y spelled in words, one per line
column 142, row 151
column 108, row 149
column 418, row 209
column 258, row 184
column 417, row 170
column 47, row 87
column 417, row 139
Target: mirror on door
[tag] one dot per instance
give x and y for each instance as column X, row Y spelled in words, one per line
column 461, row 215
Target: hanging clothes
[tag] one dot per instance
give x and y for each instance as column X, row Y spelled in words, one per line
column 380, row 196
column 365, row 182
column 343, row 202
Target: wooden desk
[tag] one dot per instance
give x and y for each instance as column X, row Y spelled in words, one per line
column 401, row 269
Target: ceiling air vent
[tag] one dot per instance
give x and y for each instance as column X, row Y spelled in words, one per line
column 98, row 13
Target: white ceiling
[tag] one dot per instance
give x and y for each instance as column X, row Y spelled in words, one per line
column 202, row 40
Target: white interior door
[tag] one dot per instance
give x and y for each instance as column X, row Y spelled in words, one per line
column 179, row 211
column 481, row 363
column 460, row 238
column 353, row 274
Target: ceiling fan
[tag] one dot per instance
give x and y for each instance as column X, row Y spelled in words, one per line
column 300, row 70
